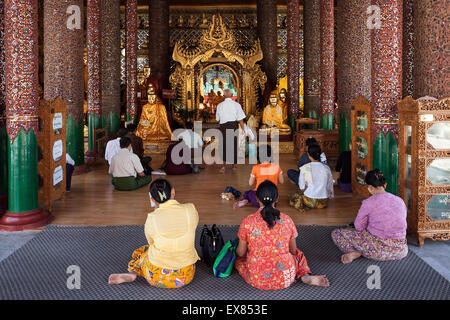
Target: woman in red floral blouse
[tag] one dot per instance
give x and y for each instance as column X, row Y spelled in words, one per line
column 268, row 257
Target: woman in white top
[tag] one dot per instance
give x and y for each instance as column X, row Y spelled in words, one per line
column 317, row 179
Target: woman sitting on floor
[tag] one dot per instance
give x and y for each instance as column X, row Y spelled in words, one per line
column 265, row 170
column 317, row 179
column 268, row 257
column 380, row 226
column 168, row 261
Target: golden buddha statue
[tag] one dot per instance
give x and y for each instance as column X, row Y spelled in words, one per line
column 153, row 124
column 273, row 117
column 282, row 84
column 282, row 101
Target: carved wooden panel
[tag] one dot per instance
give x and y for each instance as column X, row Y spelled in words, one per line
column 424, row 186
column 52, row 146
column 328, row 141
column 361, row 119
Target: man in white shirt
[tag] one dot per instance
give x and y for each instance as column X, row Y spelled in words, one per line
column 113, row 146
column 230, row 116
column 194, row 142
column 126, row 169
column 316, row 177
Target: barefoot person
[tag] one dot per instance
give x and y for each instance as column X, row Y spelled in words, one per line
column 168, row 261
column 265, row 170
column 380, row 226
column 268, row 257
column 230, row 116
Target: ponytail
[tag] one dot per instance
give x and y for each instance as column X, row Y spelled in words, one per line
column 267, row 193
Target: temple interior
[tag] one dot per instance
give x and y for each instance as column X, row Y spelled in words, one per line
column 360, row 75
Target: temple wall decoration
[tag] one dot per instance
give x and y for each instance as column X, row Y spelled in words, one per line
column 386, row 58
column 353, row 57
column 189, row 23
column 94, row 64
column 312, row 56
column 131, row 58
column 293, row 53
column 327, row 79
column 431, row 56
column 111, row 63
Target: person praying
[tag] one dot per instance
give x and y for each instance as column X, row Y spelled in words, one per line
column 315, row 181
column 168, row 260
column 195, row 143
column 113, row 146
column 265, row 170
column 344, row 166
column 126, row 169
column 137, row 147
column 380, row 226
column 304, row 159
column 230, row 116
column 267, row 253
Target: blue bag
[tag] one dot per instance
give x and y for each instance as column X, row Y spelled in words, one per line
column 224, row 263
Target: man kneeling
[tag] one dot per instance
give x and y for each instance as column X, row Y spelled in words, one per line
column 126, row 169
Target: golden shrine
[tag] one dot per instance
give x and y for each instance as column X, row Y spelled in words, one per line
column 217, row 48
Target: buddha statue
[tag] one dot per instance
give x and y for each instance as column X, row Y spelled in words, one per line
column 204, row 23
column 273, row 117
column 282, row 84
column 282, row 101
column 153, row 123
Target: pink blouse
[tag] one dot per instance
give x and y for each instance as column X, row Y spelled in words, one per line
column 383, row 215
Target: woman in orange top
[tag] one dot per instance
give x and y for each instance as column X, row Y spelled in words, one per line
column 265, row 170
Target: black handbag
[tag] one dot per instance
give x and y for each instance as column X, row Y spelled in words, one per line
column 211, row 242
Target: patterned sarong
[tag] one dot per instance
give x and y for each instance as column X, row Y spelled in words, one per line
column 156, row 276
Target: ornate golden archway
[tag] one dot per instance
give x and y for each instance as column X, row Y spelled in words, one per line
column 217, row 46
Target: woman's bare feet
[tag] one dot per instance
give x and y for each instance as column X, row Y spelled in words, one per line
column 119, row 278
column 349, row 257
column 240, row 204
column 222, row 170
column 320, row 281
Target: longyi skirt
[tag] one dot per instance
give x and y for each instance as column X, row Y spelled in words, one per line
column 156, row 276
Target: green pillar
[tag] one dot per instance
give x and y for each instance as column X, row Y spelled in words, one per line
column 326, row 121
column 112, row 120
column 75, row 139
column 22, row 173
column 385, row 158
column 345, row 133
column 3, row 167
column 94, row 122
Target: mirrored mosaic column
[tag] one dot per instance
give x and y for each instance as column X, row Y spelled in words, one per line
column 431, row 48
column 131, row 58
column 111, row 64
column 3, row 134
column 267, row 33
column 311, row 22
column 94, row 75
column 327, row 80
column 74, row 82
column 408, row 48
column 353, row 61
column 22, row 103
column 159, row 42
column 293, row 57
column 387, row 88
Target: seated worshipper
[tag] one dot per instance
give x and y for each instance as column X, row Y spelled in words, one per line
column 168, row 261
column 344, row 166
column 267, row 254
column 195, row 143
column 126, row 169
column 177, row 163
column 113, row 146
column 138, row 148
column 70, row 166
column 317, row 179
column 304, row 159
column 380, row 226
column 265, row 170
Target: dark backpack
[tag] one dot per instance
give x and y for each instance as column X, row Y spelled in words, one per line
column 211, row 242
